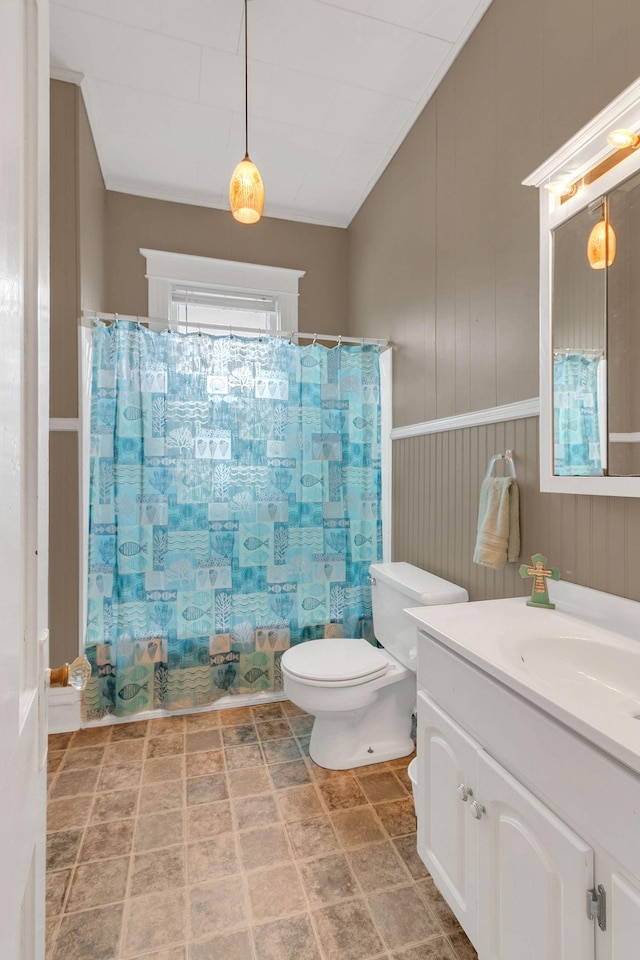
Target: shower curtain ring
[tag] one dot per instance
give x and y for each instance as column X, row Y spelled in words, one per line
column 340, row 340
column 315, row 339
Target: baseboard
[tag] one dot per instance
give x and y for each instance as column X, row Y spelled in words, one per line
column 64, row 709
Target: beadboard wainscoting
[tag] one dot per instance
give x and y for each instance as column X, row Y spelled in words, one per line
column 595, row 541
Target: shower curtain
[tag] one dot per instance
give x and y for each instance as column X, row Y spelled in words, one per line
column 577, row 401
column 234, row 510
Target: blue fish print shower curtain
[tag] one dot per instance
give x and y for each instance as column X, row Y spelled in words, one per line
column 576, row 415
column 234, row 511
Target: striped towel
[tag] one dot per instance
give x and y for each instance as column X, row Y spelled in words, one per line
column 498, row 538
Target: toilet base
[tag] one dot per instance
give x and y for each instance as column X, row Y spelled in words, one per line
column 333, row 758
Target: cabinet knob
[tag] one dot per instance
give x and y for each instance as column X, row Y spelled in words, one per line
column 464, row 792
column 476, row 809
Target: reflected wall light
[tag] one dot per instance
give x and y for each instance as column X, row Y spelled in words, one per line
column 601, row 245
column 246, row 189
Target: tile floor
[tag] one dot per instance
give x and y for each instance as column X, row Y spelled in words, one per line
column 215, row 837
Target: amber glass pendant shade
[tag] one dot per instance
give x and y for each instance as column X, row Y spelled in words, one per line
column 601, row 245
column 246, row 192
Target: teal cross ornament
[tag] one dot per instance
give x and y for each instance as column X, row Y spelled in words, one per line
column 540, row 573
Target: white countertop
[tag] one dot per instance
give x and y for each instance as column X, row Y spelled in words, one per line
column 579, row 663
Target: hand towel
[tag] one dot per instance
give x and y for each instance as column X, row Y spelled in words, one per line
column 498, row 538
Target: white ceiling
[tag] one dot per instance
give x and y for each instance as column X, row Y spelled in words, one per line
column 334, row 87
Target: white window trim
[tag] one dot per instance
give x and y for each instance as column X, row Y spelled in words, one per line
column 165, row 269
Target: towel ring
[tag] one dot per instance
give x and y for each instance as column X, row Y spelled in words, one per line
column 508, row 458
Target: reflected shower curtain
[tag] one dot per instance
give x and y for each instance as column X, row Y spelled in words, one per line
column 577, row 415
column 234, row 511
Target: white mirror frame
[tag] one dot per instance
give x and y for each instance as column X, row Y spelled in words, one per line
column 582, row 153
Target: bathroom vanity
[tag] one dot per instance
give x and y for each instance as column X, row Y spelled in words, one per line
column 528, row 795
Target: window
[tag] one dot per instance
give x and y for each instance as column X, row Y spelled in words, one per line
column 198, row 292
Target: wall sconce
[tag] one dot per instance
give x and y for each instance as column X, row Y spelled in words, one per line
column 561, row 188
column 623, row 139
column 601, row 245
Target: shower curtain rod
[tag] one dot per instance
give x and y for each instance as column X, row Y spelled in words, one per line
column 158, row 323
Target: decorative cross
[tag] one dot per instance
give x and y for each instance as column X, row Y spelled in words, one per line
column 540, row 573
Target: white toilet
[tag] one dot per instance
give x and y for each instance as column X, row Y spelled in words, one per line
column 362, row 697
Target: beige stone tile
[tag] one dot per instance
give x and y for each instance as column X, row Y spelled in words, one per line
column 243, row 755
column 340, row 794
column 407, row 848
column 158, row 870
column 163, row 768
column 280, row 751
column 398, row 817
column 402, row 762
column 166, row 746
column 319, row 773
column 462, row 946
column 249, row 811
column 378, row 866
column 434, row 949
column 107, row 840
column 304, row 745
column 157, row 728
column 345, row 932
column 68, row 812
column 162, row 796
column 203, row 740
column 91, row 736
column 357, row 826
column 208, row 820
column 83, row 757
column 93, row 934
column 211, row 859
column 328, row 879
column 382, row 786
column 119, row 805
column 171, row 953
column 153, row 922
column 312, row 838
column 290, row 939
column 62, row 848
column 202, row 721
column 438, row 906
column 291, row 710
column 275, row 892
column 291, row 774
column 226, row 946
column 54, row 759
column 199, row 764
column 404, row 778
column 301, row 726
column 264, row 846
column 249, row 781
column 274, row 729
column 231, row 716
column 216, row 907
column 59, row 741
column 267, row 711
column 207, row 789
column 299, row 803
column 75, row 782
column 243, row 733
column 120, row 776
column 94, row 885
column 129, row 731
column 401, row 917
column 159, row 830
column 51, row 932
column 57, row 883
column 123, row 751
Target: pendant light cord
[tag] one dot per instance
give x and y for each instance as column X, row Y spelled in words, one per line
column 246, row 86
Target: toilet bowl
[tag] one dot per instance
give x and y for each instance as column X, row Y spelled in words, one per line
column 362, row 697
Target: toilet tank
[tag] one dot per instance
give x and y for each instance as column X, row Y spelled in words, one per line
column 399, row 585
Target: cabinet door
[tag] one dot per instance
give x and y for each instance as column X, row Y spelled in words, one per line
column 624, row 919
column 446, row 832
column 534, row 876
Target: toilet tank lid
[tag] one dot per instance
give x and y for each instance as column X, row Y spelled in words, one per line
column 418, row 585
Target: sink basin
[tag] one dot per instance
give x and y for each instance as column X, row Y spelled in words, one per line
column 608, row 670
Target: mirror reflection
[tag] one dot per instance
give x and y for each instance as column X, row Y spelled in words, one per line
column 596, row 337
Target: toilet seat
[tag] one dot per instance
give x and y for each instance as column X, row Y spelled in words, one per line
column 335, row 661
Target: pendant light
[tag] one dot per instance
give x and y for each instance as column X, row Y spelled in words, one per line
column 601, row 245
column 246, row 189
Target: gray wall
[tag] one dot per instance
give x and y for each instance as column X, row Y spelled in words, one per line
column 135, row 222
column 443, row 259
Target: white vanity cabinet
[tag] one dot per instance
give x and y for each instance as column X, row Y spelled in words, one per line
column 515, row 813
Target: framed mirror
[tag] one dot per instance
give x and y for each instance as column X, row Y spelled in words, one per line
column 590, row 306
